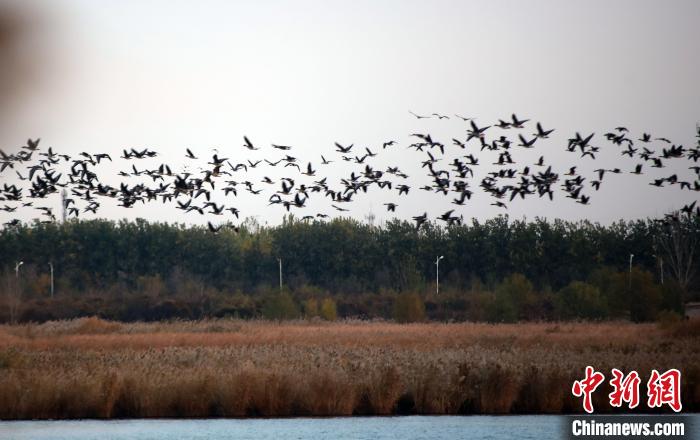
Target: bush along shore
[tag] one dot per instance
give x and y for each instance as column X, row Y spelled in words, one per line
column 91, row 368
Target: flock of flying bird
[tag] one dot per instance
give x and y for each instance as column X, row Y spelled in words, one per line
column 43, row 172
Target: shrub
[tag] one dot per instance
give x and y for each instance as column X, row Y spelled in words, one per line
column 328, row 310
column 515, row 299
column 686, row 329
column 645, row 296
column 409, row 307
column 672, row 297
column 151, row 285
column 581, row 300
column 280, row 306
column 612, row 286
column 311, row 308
column 95, row 325
column 478, row 303
column 500, row 308
column 667, row 319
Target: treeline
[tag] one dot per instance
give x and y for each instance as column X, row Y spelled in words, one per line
column 498, row 270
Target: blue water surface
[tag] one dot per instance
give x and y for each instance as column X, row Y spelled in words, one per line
column 356, row 428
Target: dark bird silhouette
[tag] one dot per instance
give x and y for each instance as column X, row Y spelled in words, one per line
column 420, row 219
column 419, row 116
column 273, row 164
column 518, row 123
column 342, row 149
column 503, row 124
column 213, row 229
column 248, row 144
column 541, row 133
column 32, row 145
column 475, row 131
column 688, row 209
column 464, row 194
column 309, row 171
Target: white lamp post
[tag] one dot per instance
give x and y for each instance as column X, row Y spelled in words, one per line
column 630, row 277
column 17, row 266
column 51, row 266
column 279, row 260
column 437, row 274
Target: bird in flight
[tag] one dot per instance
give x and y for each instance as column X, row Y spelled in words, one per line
column 248, row 144
column 419, row 116
column 448, row 173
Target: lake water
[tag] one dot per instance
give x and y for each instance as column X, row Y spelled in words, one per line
column 418, row 427
column 356, row 428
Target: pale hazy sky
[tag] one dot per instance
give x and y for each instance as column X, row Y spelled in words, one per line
column 174, row 74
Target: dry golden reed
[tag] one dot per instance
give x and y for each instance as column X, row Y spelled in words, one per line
column 90, row 368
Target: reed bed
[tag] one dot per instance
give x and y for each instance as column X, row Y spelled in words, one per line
column 90, row 368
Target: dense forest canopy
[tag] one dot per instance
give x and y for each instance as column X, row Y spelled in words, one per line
column 181, row 271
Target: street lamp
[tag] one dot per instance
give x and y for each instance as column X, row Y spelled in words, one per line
column 279, row 260
column 17, row 266
column 51, row 266
column 630, row 277
column 437, row 274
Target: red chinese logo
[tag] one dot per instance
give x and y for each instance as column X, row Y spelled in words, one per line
column 586, row 387
column 665, row 389
column 662, row 389
column 625, row 389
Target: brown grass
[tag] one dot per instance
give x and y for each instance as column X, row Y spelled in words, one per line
column 227, row 368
